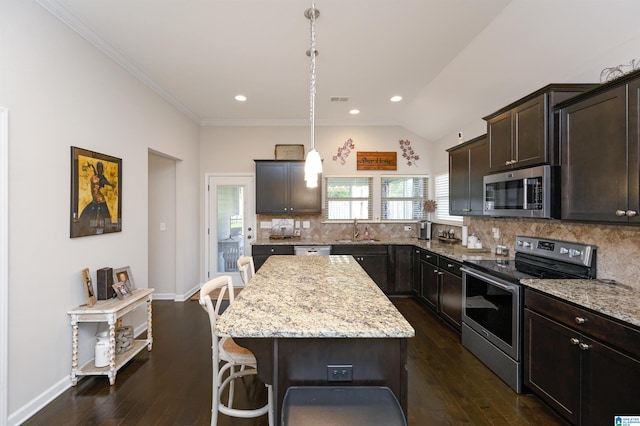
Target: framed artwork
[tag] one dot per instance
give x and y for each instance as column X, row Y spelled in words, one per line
column 88, row 287
column 124, row 275
column 96, row 185
column 121, row 290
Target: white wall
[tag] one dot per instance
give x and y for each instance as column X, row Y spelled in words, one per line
column 162, row 226
column 61, row 91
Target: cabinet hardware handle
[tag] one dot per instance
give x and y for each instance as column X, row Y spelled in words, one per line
column 583, row 346
column 272, row 250
column 435, row 271
column 449, row 265
column 466, row 210
column 631, row 213
column 621, row 213
column 574, row 341
column 580, row 320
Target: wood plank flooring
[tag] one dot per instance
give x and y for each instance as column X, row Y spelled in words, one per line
column 172, row 384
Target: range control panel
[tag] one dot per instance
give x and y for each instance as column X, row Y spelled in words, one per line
column 566, row 251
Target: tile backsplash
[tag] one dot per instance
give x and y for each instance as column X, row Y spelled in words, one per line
column 618, row 246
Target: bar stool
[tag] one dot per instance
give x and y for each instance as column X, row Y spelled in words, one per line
column 246, row 268
column 232, row 357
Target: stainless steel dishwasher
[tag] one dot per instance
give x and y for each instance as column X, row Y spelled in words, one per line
column 312, row 250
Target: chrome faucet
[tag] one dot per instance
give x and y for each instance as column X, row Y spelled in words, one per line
column 356, row 233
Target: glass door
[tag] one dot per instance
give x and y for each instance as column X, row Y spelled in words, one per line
column 231, row 224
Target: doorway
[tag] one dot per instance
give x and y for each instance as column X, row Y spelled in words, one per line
column 231, row 223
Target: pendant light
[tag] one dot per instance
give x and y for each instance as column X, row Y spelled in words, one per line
column 313, row 163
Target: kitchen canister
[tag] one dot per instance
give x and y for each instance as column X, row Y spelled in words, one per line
column 465, row 234
column 102, row 349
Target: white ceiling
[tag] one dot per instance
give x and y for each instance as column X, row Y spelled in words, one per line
column 451, row 60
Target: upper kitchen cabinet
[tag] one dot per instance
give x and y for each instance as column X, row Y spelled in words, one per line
column 600, row 160
column 281, row 189
column 523, row 133
column 468, row 163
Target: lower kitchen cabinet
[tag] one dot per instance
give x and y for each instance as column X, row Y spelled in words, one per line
column 441, row 286
column 402, row 257
column 261, row 253
column 374, row 259
column 574, row 361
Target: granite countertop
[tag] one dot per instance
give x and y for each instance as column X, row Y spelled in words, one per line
column 614, row 300
column 312, row 297
column 453, row 251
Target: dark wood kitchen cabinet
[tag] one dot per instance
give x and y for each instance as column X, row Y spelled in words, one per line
column 281, row 189
column 373, row 258
column 402, row 257
column 523, row 133
column 468, row 163
column 261, row 253
column 600, row 145
column 417, row 279
column 441, row 286
column 583, row 364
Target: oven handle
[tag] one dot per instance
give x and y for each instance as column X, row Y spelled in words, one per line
column 507, row 287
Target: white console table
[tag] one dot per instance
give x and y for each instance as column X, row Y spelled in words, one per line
column 109, row 311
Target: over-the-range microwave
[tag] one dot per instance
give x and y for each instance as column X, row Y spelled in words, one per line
column 532, row 192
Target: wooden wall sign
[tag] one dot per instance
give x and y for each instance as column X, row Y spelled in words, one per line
column 373, row 160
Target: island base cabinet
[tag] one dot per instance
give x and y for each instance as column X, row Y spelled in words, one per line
column 284, row 362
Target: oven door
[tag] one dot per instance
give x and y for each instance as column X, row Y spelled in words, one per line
column 493, row 308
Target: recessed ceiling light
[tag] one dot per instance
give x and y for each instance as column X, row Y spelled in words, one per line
column 241, row 98
column 354, row 111
column 396, row 98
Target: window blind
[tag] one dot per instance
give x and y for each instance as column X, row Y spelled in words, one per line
column 403, row 197
column 348, row 198
column 442, row 198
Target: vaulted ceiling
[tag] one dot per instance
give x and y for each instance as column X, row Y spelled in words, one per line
column 452, row 61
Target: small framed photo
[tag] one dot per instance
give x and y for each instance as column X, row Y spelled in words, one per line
column 124, row 275
column 88, row 287
column 121, row 290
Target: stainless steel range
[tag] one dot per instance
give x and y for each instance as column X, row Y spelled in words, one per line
column 492, row 313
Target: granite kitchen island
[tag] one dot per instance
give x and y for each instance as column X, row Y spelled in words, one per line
column 300, row 314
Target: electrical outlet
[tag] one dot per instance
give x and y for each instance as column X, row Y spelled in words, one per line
column 407, row 227
column 340, row 373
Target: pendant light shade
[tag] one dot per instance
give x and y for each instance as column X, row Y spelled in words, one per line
column 313, row 163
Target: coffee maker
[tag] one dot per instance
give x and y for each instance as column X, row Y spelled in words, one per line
column 424, row 230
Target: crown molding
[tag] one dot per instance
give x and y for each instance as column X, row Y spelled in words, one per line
column 73, row 22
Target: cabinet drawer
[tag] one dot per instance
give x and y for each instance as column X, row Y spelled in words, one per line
column 271, row 249
column 429, row 257
column 368, row 249
column 589, row 323
column 450, row 266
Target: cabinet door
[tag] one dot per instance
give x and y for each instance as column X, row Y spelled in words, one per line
column 459, row 182
column 610, row 384
column 634, row 150
column 594, row 158
column 272, row 187
column 402, row 269
column 303, row 200
column 417, row 280
column 376, row 267
column 451, row 299
column 552, row 364
column 529, row 132
column 430, row 278
column 478, row 168
column 499, row 134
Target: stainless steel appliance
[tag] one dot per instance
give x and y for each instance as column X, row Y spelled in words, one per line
column 424, row 230
column 312, row 250
column 492, row 308
column 531, row 192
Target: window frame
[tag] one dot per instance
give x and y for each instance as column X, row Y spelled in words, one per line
column 326, row 199
column 425, row 196
column 441, row 196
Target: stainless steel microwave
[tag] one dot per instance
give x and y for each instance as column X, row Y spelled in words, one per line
column 531, row 192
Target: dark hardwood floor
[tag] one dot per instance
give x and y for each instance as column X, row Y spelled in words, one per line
column 172, row 384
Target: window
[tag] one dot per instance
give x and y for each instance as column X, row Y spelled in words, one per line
column 402, row 197
column 442, row 198
column 348, row 198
